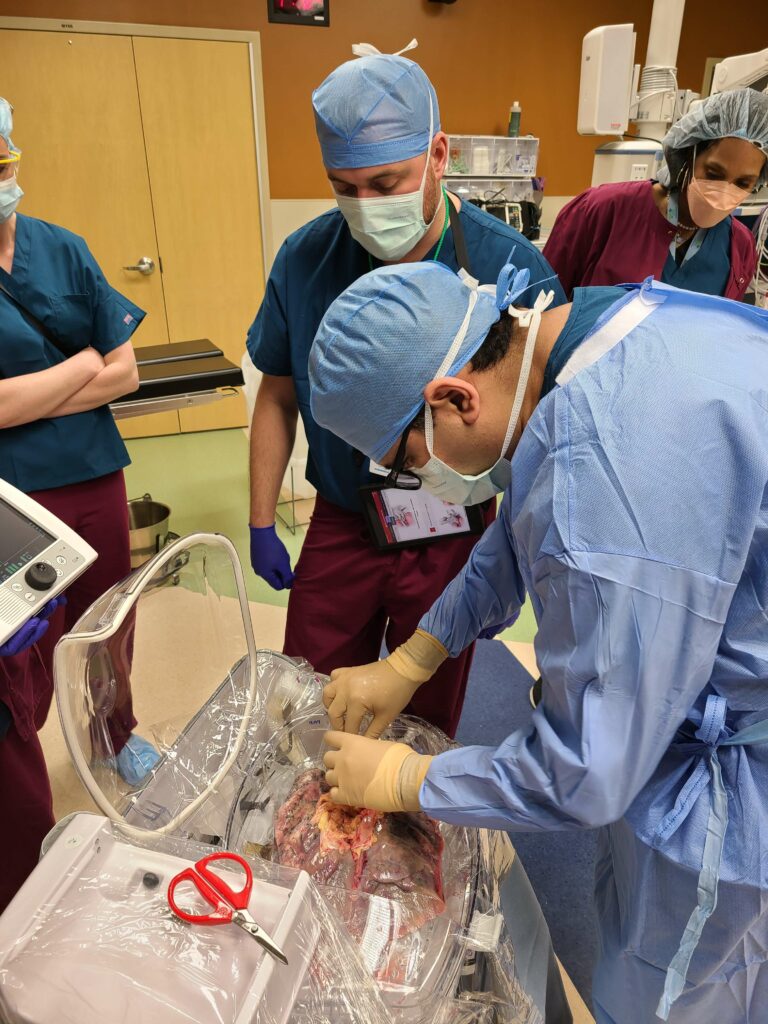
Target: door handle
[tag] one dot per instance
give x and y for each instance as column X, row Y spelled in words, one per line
column 145, row 266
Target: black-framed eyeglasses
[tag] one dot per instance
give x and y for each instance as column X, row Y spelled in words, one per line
column 398, row 477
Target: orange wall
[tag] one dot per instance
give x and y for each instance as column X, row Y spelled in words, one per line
column 480, row 54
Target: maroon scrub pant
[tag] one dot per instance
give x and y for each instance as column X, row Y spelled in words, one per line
column 98, row 511
column 348, row 596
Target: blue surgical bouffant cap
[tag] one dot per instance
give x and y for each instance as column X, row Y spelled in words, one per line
column 386, row 337
column 6, row 123
column 737, row 114
column 374, row 110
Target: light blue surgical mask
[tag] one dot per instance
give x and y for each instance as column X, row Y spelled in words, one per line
column 10, row 194
column 437, row 476
column 388, row 227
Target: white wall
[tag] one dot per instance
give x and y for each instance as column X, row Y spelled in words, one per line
column 290, row 214
column 550, row 208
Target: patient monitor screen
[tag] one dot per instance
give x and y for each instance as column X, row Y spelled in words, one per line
column 20, row 540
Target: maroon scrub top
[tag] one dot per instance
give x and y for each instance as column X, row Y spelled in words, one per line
column 615, row 234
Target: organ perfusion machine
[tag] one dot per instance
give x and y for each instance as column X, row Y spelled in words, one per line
column 382, row 918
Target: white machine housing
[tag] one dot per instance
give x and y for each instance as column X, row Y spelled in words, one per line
column 236, row 729
column 747, row 69
column 612, row 85
column 626, row 160
column 607, row 62
column 613, row 92
column 39, row 557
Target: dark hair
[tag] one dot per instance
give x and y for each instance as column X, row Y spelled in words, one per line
column 681, row 164
column 495, row 347
column 496, row 344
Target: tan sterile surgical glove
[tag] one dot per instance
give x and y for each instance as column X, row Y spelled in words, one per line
column 383, row 688
column 374, row 773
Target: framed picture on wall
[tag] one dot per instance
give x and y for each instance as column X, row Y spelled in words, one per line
column 299, row 12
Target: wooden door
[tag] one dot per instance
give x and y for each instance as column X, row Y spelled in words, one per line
column 196, row 105
column 78, row 122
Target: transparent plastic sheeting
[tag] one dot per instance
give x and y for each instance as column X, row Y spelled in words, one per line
column 93, row 940
column 105, row 946
column 171, row 643
column 238, row 729
column 411, row 936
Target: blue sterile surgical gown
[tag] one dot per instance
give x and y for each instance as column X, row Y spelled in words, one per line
column 637, row 521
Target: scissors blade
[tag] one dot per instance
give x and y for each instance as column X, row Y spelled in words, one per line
column 244, row 919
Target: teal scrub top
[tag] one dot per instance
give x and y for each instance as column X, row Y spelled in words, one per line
column 709, row 269
column 57, row 280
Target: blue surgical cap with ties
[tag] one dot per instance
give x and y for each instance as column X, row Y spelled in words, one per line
column 388, row 335
column 374, row 110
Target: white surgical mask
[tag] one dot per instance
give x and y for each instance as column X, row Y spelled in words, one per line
column 460, row 488
column 390, row 226
column 10, row 194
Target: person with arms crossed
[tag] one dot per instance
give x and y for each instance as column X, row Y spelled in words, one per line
column 65, row 353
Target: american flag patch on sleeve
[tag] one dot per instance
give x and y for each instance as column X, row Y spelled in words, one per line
column 127, row 319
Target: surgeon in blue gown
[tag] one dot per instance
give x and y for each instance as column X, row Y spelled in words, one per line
column 635, row 517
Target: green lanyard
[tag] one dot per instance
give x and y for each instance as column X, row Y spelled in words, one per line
column 442, row 235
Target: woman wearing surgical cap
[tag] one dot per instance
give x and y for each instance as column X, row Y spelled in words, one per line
column 65, row 354
column 679, row 229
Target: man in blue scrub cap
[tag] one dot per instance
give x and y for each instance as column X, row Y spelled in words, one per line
column 635, row 517
column 378, row 123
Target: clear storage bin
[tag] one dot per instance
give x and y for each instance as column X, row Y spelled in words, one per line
column 492, row 155
column 237, row 726
column 509, row 190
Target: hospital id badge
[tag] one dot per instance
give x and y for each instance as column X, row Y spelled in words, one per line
column 399, row 518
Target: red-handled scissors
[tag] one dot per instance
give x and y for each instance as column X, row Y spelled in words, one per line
column 230, row 907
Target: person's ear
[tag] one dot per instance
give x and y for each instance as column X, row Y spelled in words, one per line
column 453, row 394
column 439, row 154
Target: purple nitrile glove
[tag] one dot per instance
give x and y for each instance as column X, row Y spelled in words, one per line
column 33, row 629
column 269, row 557
column 491, row 631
